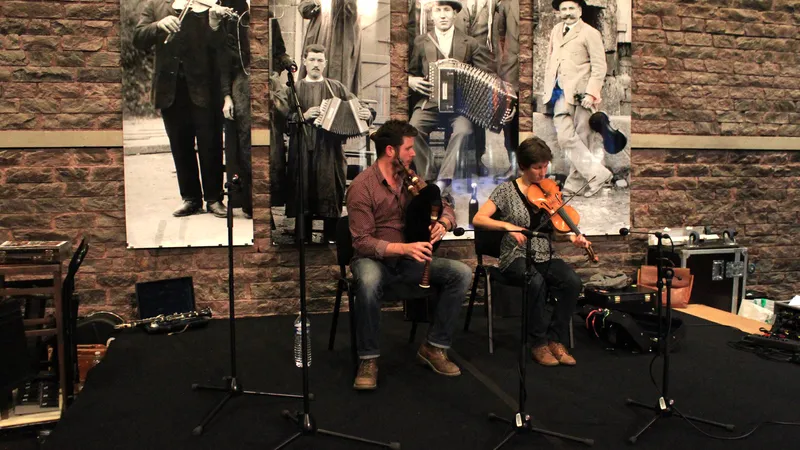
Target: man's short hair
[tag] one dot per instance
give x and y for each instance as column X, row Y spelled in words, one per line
column 313, row 48
column 392, row 133
column 533, row 151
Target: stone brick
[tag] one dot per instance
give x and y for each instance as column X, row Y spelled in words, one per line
column 46, row 158
column 74, row 221
column 12, row 58
column 28, row 175
column 104, row 59
column 82, row 43
column 71, row 59
column 43, row 74
column 68, row 174
column 39, row 105
column 17, row 121
column 32, row 9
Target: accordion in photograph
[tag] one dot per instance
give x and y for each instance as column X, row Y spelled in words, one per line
column 341, row 117
column 481, row 97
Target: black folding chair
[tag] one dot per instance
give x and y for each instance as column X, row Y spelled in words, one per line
column 487, row 243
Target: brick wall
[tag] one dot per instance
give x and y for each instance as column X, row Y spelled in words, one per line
column 720, row 67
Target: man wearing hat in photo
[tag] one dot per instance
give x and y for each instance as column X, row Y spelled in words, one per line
column 576, row 69
column 445, row 41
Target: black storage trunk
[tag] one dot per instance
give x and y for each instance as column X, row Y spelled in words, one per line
column 15, row 365
column 720, row 273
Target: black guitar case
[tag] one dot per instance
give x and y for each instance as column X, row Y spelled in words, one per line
column 637, row 332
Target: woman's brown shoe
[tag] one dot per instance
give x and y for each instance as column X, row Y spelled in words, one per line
column 543, row 356
column 561, row 354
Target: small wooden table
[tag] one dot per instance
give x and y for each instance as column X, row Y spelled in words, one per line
column 725, row 318
column 55, row 326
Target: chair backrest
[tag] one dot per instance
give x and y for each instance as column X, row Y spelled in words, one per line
column 69, row 281
column 488, row 242
column 344, row 242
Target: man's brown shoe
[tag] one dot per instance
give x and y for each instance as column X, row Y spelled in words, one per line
column 436, row 359
column 543, row 356
column 561, row 354
column 367, row 376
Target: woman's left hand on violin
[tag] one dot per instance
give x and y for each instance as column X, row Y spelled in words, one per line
column 580, row 241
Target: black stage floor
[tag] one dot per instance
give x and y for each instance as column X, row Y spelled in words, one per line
column 139, row 397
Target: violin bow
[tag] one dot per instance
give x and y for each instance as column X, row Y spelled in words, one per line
column 181, row 16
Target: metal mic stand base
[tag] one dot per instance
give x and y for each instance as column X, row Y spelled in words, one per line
column 522, row 424
column 303, row 419
column 308, row 427
column 232, row 389
column 664, row 410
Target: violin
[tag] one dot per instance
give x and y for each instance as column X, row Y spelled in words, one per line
column 547, row 196
column 198, row 6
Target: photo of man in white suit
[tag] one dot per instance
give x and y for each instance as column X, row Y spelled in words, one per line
column 576, row 69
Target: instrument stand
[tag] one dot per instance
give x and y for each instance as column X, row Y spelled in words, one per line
column 664, row 406
column 303, row 419
column 232, row 387
column 522, row 422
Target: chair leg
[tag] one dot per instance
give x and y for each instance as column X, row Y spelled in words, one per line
column 489, row 315
column 413, row 333
column 478, row 272
column 353, row 318
column 571, row 334
column 336, row 307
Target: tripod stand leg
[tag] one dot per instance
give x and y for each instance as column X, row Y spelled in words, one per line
column 393, row 445
column 289, row 440
column 273, row 394
column 727, row 426
column 649, row 423
column 198, row 430
column 507, row 438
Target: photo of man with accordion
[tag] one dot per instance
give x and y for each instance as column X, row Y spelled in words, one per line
column 444, row 42
column 334, row 114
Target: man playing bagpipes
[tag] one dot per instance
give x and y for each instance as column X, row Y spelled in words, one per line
column 378, row 203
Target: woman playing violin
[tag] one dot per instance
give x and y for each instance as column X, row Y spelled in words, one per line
column 508, row 210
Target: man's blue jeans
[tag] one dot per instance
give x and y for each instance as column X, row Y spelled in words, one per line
column 372, row 277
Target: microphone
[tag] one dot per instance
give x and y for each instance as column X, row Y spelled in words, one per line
column 626, row 231
column 529, row 234
column 286, row 63
column 458, row 231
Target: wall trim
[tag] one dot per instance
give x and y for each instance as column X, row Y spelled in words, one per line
column 21, row 139
column 685, row 142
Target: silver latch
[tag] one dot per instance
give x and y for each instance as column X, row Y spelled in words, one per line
column 734, row 269
column 718, row 270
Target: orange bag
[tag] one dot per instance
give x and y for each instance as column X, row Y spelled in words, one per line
column 681, row 290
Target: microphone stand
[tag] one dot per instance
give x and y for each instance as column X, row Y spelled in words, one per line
column 303, row 419
column 664, row 407
column 523, row 423
column 233, row 388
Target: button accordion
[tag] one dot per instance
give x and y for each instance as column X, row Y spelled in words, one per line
column 341, row 117
column 481, row 97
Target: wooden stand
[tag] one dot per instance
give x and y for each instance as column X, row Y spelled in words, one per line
column 28, row 274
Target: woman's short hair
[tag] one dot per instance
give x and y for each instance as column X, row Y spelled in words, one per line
column 533, row 151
